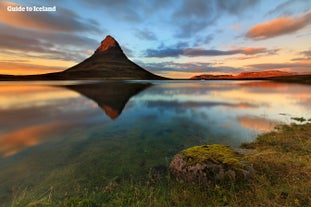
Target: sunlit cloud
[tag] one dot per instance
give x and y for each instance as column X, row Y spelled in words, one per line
column 49, row 51
column 306, row 53
column 292, row 67
column 304, row 56
column 279, row 26
column 22, row 68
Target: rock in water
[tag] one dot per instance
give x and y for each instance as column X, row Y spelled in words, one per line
column 209, row 163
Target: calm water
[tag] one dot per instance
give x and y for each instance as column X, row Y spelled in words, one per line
column 69, row 134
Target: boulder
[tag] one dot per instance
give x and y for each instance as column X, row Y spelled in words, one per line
column 210, row 163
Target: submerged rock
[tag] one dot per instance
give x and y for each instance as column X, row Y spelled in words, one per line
column 210, row 163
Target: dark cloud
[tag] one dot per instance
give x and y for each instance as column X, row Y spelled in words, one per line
column 146, row 34
column 167, row 52
column 63, row 20
column 288, row 7
column 279, row 26
column 193, row 17
column 194, row 52
column 203, row 40
column 197, row 67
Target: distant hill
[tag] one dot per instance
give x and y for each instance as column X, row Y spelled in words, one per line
column 108, row 62
column 244, row 75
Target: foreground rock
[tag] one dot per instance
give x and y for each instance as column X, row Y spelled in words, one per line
column 210, row 163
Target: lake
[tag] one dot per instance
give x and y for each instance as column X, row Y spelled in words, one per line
column 81, row 134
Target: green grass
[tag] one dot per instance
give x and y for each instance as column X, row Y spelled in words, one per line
column 283, row 178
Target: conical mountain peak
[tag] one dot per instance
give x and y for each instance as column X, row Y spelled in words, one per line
column 107, row 43
column 108, row 62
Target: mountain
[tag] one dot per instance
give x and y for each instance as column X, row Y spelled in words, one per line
column 244, row 75
column 111, row 97
column 108, row 62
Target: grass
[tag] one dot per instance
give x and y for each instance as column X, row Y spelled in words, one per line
column 283, row 178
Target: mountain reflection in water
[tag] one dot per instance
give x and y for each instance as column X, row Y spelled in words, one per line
column 110, row 96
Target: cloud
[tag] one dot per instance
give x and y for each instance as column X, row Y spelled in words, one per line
column 50, row 45
column 289, row 6
column 191, row 18
column 306, row 55
column 292, row 67
column 121, row 9
column 128, row 52
column 162, row 52
column 129, row 10
column 23, row 68
column 203, row 40
column 63, row 20
column 194, row 67
column 279, row 26
column 146, row 35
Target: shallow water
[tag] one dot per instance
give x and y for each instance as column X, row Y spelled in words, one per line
column 83, row 133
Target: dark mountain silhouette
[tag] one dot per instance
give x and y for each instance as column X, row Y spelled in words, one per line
column 108, row 62
column 110, row 96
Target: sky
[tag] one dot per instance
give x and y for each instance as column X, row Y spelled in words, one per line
column 171, row 38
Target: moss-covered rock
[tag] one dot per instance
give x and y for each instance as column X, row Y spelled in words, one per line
column 209, row 163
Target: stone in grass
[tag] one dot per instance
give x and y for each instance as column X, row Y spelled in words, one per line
column 210, row 163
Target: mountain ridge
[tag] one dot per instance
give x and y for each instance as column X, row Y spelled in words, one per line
column 245, row 75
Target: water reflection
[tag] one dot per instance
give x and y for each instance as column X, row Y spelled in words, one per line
column 69, row 135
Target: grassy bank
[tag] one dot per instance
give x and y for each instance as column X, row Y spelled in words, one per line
column 283, row 178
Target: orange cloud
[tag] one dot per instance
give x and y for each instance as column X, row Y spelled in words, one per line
column 14, row 68
column 280, row 26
